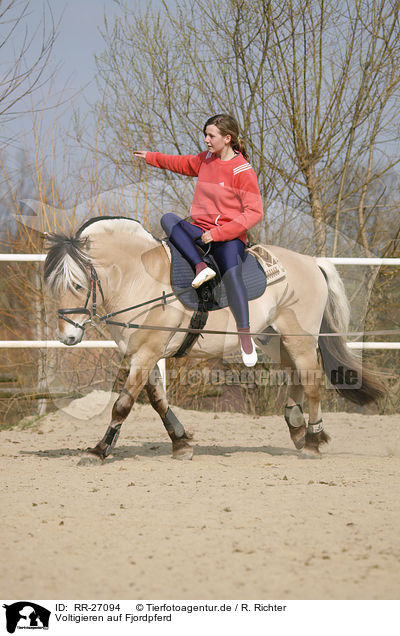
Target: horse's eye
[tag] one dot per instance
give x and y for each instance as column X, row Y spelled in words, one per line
column 77, row 287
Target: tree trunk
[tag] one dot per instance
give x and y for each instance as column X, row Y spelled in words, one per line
column 316, row 211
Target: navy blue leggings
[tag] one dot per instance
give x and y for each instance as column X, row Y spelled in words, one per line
column 229, row 256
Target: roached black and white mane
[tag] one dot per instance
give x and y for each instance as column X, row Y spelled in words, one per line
column 67, row 261
column 66, row 264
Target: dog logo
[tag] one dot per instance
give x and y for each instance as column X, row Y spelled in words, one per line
column 26, row 615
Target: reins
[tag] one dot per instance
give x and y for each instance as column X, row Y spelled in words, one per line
column 106, row 319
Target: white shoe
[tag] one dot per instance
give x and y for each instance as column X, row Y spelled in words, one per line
column 203, row 276
column 249, row 359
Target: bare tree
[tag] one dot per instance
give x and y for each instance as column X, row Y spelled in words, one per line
column 314, row 85
column 335, row 99
column 25, row 56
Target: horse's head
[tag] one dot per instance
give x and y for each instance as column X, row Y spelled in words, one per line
column 72, row 279
column 67, row 274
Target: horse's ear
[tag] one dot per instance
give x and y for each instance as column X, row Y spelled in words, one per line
column 49, row 240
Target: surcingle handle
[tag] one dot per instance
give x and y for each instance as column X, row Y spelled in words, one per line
column 172, row 424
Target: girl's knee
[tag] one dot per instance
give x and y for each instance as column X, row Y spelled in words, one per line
column 168, row 222
column 233, row 276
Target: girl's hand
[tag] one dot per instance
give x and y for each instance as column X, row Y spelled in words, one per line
column 206, row 237
column 140, row 153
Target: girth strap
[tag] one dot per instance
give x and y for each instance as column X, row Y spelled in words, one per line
column 197, row 321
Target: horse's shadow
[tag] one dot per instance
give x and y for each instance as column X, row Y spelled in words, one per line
column 163, row 449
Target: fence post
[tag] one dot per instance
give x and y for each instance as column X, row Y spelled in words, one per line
column 162, row 368
column 42, row 359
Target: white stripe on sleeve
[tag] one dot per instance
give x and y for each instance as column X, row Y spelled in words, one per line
column 241, row 168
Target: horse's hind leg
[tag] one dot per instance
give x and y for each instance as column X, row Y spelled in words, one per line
column 294, row 413
column 272, row 345
column 181, row 448
column 308, row 375
column 294, row 407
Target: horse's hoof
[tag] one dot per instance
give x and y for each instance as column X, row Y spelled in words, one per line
column 184, row 452
column 300, row 443
column 181, row 448
column 313, row 442
column 91, row 457
column 298, row 436
column 310, row 453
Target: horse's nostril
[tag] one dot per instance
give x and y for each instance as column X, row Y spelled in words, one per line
column 70, row 340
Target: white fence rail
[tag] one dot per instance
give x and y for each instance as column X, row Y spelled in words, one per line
column 110, row 344
column 335, row 260
column 56, row 344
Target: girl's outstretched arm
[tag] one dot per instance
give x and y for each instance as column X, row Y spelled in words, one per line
column 188, row 165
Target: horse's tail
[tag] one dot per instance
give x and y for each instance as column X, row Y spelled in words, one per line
column 343, row 368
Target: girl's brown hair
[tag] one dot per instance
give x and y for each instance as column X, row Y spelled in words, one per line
column 227, row 125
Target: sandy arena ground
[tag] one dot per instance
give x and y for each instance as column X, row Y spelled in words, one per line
column 248, row 518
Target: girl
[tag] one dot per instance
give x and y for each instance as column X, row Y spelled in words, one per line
column 227, row 203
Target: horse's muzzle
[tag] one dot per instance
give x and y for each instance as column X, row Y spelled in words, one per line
column 70, row 338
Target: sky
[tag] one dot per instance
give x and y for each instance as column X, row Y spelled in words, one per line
column 72, row 68
column 79, row 38
column 72, row 63
column 72, row 85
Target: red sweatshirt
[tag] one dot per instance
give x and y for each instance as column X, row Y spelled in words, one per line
column 227, row 198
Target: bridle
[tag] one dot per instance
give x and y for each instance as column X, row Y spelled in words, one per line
column 91, row 313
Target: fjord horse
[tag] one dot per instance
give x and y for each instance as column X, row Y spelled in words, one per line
column 115, row 262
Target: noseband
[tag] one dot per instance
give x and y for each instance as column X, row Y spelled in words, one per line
column 92, row 292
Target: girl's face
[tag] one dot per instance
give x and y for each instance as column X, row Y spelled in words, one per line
column 216, row 142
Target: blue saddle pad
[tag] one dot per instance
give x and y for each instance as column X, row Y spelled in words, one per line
column 182, row 275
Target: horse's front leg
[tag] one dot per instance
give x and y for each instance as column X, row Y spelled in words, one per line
column 181, row 448
column 137, row 378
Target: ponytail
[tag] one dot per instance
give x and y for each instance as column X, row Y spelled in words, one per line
column 227, row 125
column 240, row 146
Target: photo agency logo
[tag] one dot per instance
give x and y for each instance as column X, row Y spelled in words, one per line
column 26, row 615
